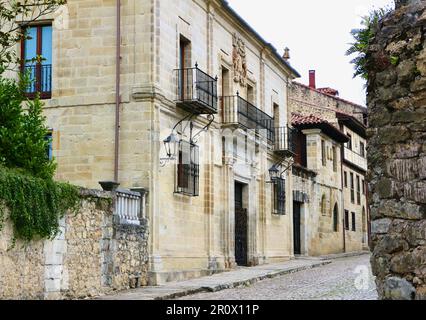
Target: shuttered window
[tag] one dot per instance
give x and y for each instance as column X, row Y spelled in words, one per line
column 188, row 169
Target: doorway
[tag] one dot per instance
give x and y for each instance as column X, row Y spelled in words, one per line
column 296, row 228
column 241, row 227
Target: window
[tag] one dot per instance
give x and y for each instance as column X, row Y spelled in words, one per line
column 358, row 189
column 349, row 143
column 38, row 45
column 299, row 141
column 250, row 94
column 353, row 222
column 345, row 175
column 235, row 146
column 346, row 219
column 323, row 153
column 336, row 218
column 185, row 80
column 246, row 155
column 279, row 197
column 334, row 159
column 188, row 169
column 363, row 186
column 323, row 205
column 49, row 149
column 362, row 149
column 352, row 188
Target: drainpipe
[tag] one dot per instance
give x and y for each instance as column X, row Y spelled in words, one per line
column 117, row 92
column 342, row 155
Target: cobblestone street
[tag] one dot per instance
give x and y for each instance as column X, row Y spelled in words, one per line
column 343, row 279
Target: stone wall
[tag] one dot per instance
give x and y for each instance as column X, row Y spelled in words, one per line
column 93, row 255
column 397, row 152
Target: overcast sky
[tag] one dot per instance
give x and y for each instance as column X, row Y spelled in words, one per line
column 317, row 33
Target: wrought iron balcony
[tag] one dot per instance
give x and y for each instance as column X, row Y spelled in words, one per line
column 196, row 91
column 284, row 141
column 40, row 76
column 236, row 110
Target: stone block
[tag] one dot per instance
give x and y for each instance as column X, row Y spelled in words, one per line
column 398, row 289
column 381, row 226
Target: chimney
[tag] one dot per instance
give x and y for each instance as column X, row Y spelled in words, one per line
column 312, row 82
column 286, row 55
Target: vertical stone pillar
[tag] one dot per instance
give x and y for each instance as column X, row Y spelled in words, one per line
column 397, row 152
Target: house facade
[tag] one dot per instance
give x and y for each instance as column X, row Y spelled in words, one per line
column 329, row 190
column 184, row 100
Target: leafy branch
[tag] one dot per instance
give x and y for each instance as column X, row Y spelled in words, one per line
column 362, row 37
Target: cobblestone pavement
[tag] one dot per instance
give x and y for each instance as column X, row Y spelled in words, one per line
column 343, row 279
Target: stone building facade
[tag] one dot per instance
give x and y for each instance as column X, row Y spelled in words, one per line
column 128, row 75
column 330, row 195
column 396, row 100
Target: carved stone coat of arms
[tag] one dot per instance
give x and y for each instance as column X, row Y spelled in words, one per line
column 239, row 60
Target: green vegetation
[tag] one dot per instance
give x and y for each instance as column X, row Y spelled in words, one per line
column 362, row 38
column 35, row 205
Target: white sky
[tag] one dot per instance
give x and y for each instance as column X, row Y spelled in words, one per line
column 317, row 33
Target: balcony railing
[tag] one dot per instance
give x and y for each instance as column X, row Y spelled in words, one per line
column 284, row 140
column 236, row 110
column 41, row 79
column 129, row 206
column 196, row 91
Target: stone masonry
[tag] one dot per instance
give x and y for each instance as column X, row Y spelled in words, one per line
column 93, row 255
column 397, row 152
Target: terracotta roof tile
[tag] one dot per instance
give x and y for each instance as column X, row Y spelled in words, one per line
column 298, row 119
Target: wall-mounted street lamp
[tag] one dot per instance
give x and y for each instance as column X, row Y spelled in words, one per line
column 171, row 144
column 274, row 173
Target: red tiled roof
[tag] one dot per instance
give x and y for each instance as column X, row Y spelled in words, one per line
column 329, row 91
column 312, row 121
column 298, row 119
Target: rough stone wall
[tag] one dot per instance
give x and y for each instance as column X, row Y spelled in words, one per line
column 397, row 152
column 307, row 101
column 93, row 255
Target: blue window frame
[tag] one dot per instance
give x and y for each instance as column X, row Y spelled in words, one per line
column 37, row 60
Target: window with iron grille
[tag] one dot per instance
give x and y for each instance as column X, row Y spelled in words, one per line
column 279, row 197
column 188, row 169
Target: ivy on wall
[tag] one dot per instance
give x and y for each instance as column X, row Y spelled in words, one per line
column 36, row 205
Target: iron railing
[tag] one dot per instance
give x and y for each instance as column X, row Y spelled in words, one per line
column 236, row 110
column 196, row 90
column 188, row 170
column 40, row 79
column 284, row 139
